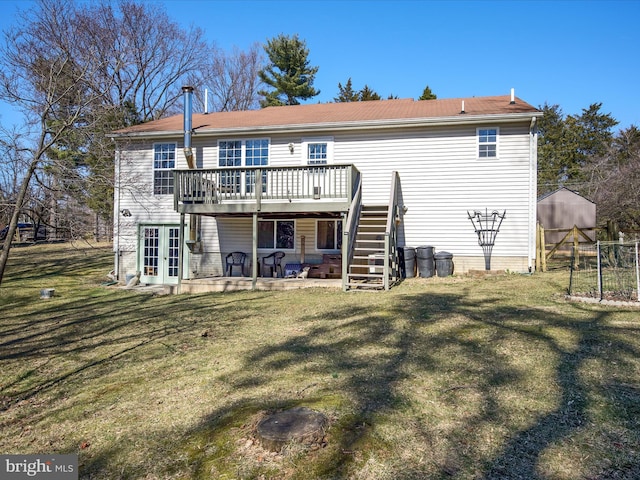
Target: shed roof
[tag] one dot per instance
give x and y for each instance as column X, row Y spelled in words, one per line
column 348, row 114
column 562, row 189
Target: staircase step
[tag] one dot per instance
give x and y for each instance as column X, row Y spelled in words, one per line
column 365, row 286
column 370, row 240
column 365, row 275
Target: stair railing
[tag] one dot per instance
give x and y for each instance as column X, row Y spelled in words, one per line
column 350, row 228
column 391, row 258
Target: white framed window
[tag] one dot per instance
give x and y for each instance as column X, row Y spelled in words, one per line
column 242, row 153
column 488, row 142
column 329, row 234
column 164, row 161
column 256, row 155
column 317, row 151
column 276, row 234
column 230, row 155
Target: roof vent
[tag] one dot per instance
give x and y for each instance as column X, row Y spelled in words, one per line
column 462, row 111
column 513, row 96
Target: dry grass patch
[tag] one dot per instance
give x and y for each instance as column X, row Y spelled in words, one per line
column 471, row 378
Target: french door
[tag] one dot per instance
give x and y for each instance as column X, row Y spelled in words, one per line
column 159, row 257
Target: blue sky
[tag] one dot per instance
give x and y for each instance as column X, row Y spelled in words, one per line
column 570, row 53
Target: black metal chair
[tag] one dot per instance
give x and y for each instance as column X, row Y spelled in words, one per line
column 273, row 262
column 235, row 259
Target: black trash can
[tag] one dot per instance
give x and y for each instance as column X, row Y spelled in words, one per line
column 424, row 254
column 444, row 263
column 407, row 262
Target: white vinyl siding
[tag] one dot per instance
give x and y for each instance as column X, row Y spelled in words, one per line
column 441, row 179
column 440, row 175
column 134, row 190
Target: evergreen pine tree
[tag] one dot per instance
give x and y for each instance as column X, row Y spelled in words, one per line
column 346, row 93
column 288, row 72
column 427, row 94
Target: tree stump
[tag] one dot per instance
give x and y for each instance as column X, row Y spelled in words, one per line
column 301, row 425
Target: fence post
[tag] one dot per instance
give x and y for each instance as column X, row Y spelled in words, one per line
column 541, row 255
column 637, row 276
column 599, row 271
column 573, row 253
column 576, row 241
column 538, row 259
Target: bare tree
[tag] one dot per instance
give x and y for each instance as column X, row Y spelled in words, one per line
column 145, row 56
column 614, row 180
column 10, row 173
column 77, row 72
column 42, row 76
column 145, row 60
column 232, row 79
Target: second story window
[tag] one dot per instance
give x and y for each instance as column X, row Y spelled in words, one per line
column 242, row 153
column 230, row 155
column 257, row 154
column 318, row 151
column 487, row 142
column 164, row 161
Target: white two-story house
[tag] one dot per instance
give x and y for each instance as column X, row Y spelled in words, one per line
column 353, row 182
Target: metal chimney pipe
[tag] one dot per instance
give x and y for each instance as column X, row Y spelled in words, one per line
column 188, row 125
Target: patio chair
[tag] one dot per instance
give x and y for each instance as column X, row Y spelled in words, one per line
column 235, row 259
column 273, row 262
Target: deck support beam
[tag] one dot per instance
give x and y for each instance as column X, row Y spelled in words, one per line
column 254, row 252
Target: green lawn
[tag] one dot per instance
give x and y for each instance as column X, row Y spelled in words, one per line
column 469, row 378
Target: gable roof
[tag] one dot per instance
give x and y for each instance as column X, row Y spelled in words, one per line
column 562, row 189
column 380, row 113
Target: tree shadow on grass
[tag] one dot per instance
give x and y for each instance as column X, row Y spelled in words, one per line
column 90, row 334
column 594, row 340
column 372, row 384
column 359, row 365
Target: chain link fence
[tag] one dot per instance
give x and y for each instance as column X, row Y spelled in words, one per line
column 605, row 271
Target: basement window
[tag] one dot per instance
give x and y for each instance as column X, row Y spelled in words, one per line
column 278, row 234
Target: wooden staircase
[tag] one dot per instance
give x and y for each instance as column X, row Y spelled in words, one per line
column 366, row 270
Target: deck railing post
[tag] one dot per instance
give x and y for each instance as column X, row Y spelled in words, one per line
column 257, row 187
